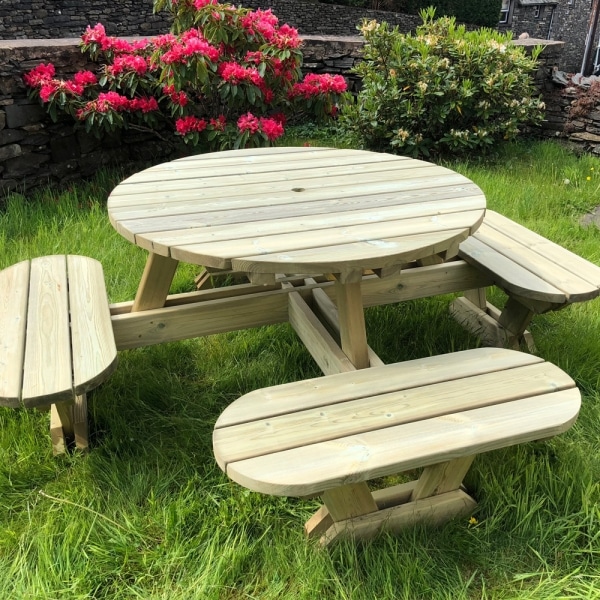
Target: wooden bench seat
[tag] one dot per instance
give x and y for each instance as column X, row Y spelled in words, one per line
column 536, row 274
column 56, row 340
column 331, row 434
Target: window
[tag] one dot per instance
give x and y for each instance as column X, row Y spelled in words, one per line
column 536, row 12
column 505, row 11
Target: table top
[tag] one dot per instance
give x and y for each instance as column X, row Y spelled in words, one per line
column 297, row 210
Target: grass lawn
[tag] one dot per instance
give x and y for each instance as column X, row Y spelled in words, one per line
column 147, row 513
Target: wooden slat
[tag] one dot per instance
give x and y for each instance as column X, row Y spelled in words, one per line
column 314, row 215
column 553, row 252
column 507, row 274
column 270, row 402
column 538, row 265
column 14, row 292
column 310, row 469
column 172, row 323
column 93, row 343
column 284, row 180
column 271, row 168
column 343, row 258
column 375, row 229
column 47, row 365
column 375, row 413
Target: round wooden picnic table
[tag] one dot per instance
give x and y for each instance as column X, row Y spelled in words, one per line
column 291, row 210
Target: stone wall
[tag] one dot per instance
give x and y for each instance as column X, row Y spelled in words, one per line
column 39, row 19
column 35, row 151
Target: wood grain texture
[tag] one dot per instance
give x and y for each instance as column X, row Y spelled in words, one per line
column 527, row 264
column 14, row 295
column 47, row 367
column 276, row 210
column 308, row 436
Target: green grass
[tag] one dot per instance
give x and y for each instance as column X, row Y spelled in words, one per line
column 147, row 514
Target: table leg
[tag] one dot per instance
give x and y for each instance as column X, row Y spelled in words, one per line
column 156, row 282
column 353, row 334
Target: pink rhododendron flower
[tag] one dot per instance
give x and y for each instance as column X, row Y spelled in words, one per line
column 314, row 85
column 94, row 34
column 198, row 4
column 128, row 62
column 144, row 105
column 85, row 78
column 40, row 74
column 248, row 122
column 219, row 123
column 271, row 128
column 178, row 98
column 286, row 37
column 189, row 124
column 47, row 91
column 111, row 101
column 234, row 73
column 263, row 22
column 161, row 41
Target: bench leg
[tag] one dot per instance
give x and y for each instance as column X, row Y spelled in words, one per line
column 503, row 329
column 68, row 424
column 352, row 511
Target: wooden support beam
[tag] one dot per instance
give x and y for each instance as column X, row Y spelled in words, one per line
column 156, row 281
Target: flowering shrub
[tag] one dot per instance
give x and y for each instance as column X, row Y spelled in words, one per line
column 442, row 90
column 225, row 77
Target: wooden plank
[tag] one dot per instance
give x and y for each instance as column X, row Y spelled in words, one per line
column 47, row 374
column 349, row 501
column 311, row 469
column 156, row 281
column 316, row 216
column 258, row 208
column 373, row 230
column 441, row 478
column 318, row 341
column 480, row 323
column 507, row 274
column 57, row 435
column 348, row 257
column 92, row 340
column 346, row 162
column 555, row 253
column 14, row 293
column 429, row 511
column 270, row 402
column 381, row 176
column 181, row 322
column 327, row 311
column 372, row 413
column 574, row 288
column 163, row 202
column 213, row 166
column 80, row 422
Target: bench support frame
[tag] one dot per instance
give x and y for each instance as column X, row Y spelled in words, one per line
column 353, row 511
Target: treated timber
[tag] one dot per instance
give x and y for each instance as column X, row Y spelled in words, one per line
column 207, row 312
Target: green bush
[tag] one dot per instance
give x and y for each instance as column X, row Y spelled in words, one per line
column 443, row 90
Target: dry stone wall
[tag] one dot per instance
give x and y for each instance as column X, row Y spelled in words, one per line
column 38, row 19
column 35, row 151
